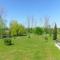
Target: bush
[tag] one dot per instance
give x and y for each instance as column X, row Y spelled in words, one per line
column 7, row 41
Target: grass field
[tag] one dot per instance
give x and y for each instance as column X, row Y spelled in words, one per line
column 34, row 48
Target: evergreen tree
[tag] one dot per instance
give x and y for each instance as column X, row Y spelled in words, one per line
column 55, row 32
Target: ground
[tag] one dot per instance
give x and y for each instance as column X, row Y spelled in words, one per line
column 33, row 48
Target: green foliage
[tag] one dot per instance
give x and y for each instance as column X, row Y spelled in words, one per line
column 13, row 28
column 21, row 30
column 16, row 28
column 55, row 32
column 38, row 30
column 7, row 41
column 46, row 30
column 2, row 26
column 30, row 30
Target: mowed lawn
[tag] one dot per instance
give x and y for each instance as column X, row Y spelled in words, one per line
column 34, row 48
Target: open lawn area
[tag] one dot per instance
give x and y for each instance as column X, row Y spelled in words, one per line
column 34, row 48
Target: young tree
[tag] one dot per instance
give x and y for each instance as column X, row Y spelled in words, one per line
column 46, row 28
column 50, row 30
column 2, row 21
column 55, row 32
column 32, row 22
column 46, row 25
column 2, row 26
column 28, row 27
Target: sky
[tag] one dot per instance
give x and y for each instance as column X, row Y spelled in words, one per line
column 38, row 9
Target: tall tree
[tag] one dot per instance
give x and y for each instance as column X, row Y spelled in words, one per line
column 46, row 24
column 28, row 27
column 55, row 32
column 50, row 30
column 32, row 21
column 2, row 26
column 2, row 21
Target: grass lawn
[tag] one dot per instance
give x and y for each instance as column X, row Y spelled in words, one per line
column 34, row 48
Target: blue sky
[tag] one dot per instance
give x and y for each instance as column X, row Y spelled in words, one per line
column 20, row 9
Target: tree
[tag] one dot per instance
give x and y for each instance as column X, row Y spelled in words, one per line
column 2, row 21
column 28, row 27
column 50, row 30
column 46, row 25
column 46, row 28
column 21, row 30
column 38, row 30
column 16, row 28
column 13, row 28
column 32, row 23
column 2, row 26
column 55, row 32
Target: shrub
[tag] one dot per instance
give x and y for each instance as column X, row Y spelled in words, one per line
column 7, row 41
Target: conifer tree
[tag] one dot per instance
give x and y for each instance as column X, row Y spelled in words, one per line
column 55, row 32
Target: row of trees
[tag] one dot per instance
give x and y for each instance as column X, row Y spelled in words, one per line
column 17, row 29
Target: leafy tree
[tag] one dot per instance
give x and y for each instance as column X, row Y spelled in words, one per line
column 38, row 30
column 16, row 28
column 55, row 32
column 13, row 28
column 21, row 30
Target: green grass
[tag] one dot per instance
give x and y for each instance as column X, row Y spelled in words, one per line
column 34, row 48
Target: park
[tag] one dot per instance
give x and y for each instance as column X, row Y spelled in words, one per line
column 29, row 30
column 20, row 43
